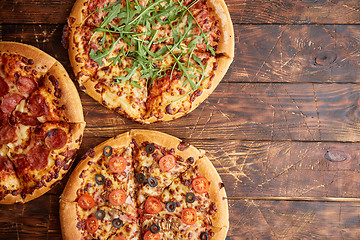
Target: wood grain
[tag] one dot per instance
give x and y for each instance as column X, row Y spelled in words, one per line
column 242, row 11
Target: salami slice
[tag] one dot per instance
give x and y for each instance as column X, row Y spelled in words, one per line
column 38, row 157
column 25, row 85
column 4, row 87
column 55, row 138
column 37, row 105
column 10, row 102
column 7, row 133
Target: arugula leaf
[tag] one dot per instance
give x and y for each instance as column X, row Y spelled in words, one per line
column 99, row 55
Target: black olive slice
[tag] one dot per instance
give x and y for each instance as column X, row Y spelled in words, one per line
column 118, row 223
column 140, row 178
column 152, row 182
column 190, row 197
column 108, row 151
column 171, row 206
column 100, row 214
column 150, row 148
column 204, row 236
column 100, row 179
column 155, row 228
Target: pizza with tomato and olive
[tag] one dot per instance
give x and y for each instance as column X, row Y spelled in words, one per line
column 144, row 185
column 41, row 122
column 150, row 60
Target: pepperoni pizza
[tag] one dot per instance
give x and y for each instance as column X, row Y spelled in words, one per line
column 41, row 122
column 144, row 185
column 150, row 60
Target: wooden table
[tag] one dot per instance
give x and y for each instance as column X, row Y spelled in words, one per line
column 282, row 128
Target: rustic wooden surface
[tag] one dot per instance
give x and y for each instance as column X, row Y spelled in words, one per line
column 282, row 128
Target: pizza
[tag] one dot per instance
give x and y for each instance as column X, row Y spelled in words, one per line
column 144, row 184
column 150, row 60
column 41, row 122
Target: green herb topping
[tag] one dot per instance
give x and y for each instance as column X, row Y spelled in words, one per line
column 138, row 31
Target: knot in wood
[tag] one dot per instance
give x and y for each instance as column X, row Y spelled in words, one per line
column 325, row 58
column 336, row 155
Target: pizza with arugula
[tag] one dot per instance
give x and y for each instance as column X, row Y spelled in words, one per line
column 150, row 60
column 144, row 185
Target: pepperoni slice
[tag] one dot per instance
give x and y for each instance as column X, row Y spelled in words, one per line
column 25, row 85
column 117, row 197
column 92, row 224
column 200, row 185
column 117, row 164
column 4, row 87
column 188, row 216
column 86, row 201
column 37, row 105
column 10, row 102
column 153, row 205
column 7, row 133
column 167, row 162
column 6, row 165
column 151, row 236
column 55, row 138
column 38, row 157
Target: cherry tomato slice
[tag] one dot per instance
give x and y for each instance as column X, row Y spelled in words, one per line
column 117, row 197
column 153, row 205
column 86, row 201
column 200, row 185
column 117, row 164
column 167, row 162
column 92, row 224
column 188, row 216
column 151, row 236
column 120, row 238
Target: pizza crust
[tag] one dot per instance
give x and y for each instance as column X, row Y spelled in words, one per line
column 216, row 191
column 42, row 61
column 68, row 220
column 165, row 140
column 69, row 95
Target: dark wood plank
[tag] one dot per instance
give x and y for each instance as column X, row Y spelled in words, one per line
column 276, row 53
column 293, row 220
column 242, row 11
column 248, row 111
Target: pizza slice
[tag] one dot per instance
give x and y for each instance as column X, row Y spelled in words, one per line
column 103, row 184
column 192, row 207
column 158, row 162
column 43, row 154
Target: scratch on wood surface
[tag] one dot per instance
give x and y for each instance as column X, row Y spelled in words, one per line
column 207, row 121
column 267, row 222
column 317, row 111
column 269, row 54
column 197, row 122
column 303, row 116
column 282, row 110
column 288, row 168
